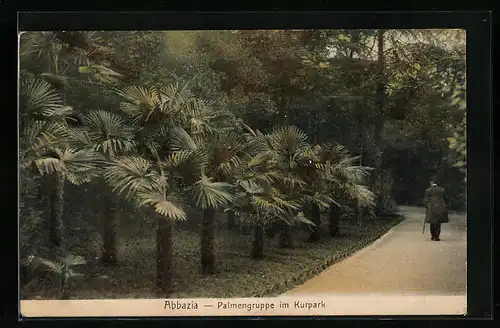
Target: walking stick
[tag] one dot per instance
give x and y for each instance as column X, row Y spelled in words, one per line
column 423, row 228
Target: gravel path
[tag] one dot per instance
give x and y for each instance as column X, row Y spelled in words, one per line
column 404, row 261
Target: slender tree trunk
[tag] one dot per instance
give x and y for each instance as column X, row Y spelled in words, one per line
column 57, row 211
column 65, row 288
column 208, row 242
column 379, row 120
column 258, row 242
column 317, row 232
column 110, row 253
column 164, row 256
column 334, row 220
column 286, row 236
column 231, row 220
column 317, row 129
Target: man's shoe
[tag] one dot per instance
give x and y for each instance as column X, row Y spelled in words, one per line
column 437, row 239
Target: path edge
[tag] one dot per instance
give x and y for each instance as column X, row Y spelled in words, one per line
column 282, row 287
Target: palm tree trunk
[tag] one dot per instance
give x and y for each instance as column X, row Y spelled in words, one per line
column 208, row 242
column 317, row 232
column 333, row 220
column 164, row 257
column 258, row 242
column 110, row 253
column 57, row 211
column 65, row 288
column 286, row 236
column 231, row 220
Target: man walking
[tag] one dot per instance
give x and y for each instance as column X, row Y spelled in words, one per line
column 435, row 200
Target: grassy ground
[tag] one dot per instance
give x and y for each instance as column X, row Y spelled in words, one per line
column 238, row 275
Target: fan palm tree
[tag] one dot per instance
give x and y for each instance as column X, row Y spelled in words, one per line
column 110, row 136
column 171, row 125
column 344, row 180
column 56, row 52
column 216, row 154
column 260, row 200
column 146, row 183
column 203, row 151
column 67, row 164
column 45, row 47
column 52, row 136
column 294, row 160
column 46, row 147
column 50, row 145
column 62, row 268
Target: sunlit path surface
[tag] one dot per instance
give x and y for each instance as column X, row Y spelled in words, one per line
column 404, row 261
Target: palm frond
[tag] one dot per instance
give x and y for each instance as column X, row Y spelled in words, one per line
column 230, row 166
column 323, row 201
column 77, row 166
column 287, row 140
column 38, row 95
column 354, row 174
column 212, row 194
column 264, row 204
column 100, row 72
column 260, row 159
column 301, row 218
column 360, row 193
column 110, row 133
column 198, row 116
column 287, row 180
column 166, row 205
column 58, row 82
column 72, row 260
column 79, row 137
column 181, row 140
column 174, row 96
column 250, row 186
column 130, row 175
column 41, row 135
column 139, row 101
column 178, row 158
column 52, row 266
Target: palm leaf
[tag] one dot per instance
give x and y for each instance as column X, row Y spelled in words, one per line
column 77, row 166
column 40, row 135
column 165, row 205
column 140, row 102
column 79, row 137
column 57, row 81
column 129, row 175
column 181, row 140
column 72, row 260
column 212, row 194
column 38, row 95
column 52, row 266
column 174, row 96
column 323, row 201
column 301, row 218
column 360, row 193
column 264, row 204
column 110, row 133
column 250, row 187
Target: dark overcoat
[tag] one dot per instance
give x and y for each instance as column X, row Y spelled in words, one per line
column 435, row 200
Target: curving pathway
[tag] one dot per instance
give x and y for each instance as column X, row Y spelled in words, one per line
column 402, row 261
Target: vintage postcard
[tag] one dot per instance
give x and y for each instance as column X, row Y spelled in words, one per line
column 242, row 172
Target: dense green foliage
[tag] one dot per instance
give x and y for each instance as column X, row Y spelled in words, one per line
column 163, row 132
